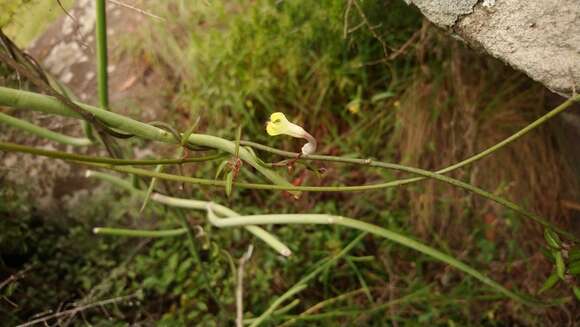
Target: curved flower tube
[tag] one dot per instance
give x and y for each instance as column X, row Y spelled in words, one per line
column 279, row 124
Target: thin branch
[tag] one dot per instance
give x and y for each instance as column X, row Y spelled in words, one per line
column 323, row 219
column 355, row 188
column 139, row 232
column 259, row 232
column 30, row 100
column 240, row 286
column 372, row 28
column 404, row 47
column 42, row 132
column 303, row 282
column 139, row 10
column 78, row 309
column 15, row 277
column 102, row 55
column 346, row 16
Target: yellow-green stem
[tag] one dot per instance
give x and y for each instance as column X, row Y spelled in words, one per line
column 211, row 182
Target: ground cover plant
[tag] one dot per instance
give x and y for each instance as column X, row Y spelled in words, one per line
column 226, row 225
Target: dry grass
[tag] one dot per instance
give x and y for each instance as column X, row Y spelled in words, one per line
column 472, row 104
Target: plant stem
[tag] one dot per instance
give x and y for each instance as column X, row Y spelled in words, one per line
column 112, row 161
column 193, row 247
column 309, row 314
column 42, row 132
column 266, row 314
column 102, row 56
column 322, row 304
column 139, row 232
column 538, row 122
column 30, row 100
column 376, row 230
column 211, row 182
column 302, row 283
column 225, row 211
column 257, row 231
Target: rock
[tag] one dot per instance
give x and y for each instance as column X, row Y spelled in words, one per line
column 67, row 51
column 540, row 38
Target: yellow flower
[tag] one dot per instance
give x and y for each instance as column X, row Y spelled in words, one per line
column 278, row 124
column 354, row 106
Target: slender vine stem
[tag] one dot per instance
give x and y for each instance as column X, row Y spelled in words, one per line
column 322, row 304
column 257, row 231
column 111, row 161
column 102, row 56
column 139, row 232
column 43, row 132
column 194, row 249
column 302, row 283
column 34, row 101
column 323, row 219
column 368, row 162
column 309, row 314
column 211, row 182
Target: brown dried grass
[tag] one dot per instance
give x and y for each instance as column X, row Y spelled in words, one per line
column 468, row 104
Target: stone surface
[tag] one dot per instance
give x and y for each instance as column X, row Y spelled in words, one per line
column 540, row 38
column 67, row 51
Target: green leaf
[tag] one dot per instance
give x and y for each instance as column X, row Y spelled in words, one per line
column 552, row 238
column 151, row 187
column 229, row 182
column 189, row 131
column 550, row 282
column 560, row 267
column 220, row 169
column 253, row 153
column 238, row 138
column 361, row 279
column 382, row 96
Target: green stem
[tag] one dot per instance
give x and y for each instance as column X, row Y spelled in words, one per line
column 30, row 100
column 266, row 314
column 302, row 283
column 366, row 227
column 211, row 182
column 42, row 132
column 225, row 211
column 257, row 231
column 110, row 161
column 322, row 304
column 102, row 56
column 193, row 247
column 139, row 232
column 419, row 295
column 538, row 122
column 283, row 310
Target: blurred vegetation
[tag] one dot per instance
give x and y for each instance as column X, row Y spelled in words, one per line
column 375, row 82
column 27, row 19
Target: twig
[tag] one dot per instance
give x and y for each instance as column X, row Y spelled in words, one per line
column 346, row 15
column 240, row 287
column 372, row 28
column 404, row 47
column 141, row 11
column 78, row 309
column 14, row 277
